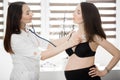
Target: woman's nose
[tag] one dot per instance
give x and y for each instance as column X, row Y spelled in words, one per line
column 31, row 13
column 73, row 14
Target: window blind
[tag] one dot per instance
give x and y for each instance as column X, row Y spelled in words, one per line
column 61, row 14
column 1, row 19
column 107, row 9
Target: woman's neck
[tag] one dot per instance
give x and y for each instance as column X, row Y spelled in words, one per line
column 22, row 26
column 81, row 29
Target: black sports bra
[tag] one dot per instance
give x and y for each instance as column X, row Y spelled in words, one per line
column 81, row 50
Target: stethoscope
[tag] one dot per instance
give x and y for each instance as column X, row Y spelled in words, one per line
column 33, row 31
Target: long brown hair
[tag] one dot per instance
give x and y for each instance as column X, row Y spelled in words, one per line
column 14, row 16
column 92, row 21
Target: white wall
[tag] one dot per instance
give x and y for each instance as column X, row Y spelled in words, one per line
column 5, row 64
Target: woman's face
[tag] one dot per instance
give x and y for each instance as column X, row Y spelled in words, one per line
column 26, row 14
column 77, row 15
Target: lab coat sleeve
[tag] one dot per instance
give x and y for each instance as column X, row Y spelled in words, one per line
column 43, row 44
column 23, row 47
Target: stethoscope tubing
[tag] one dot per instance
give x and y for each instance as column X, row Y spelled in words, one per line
column 40, row 36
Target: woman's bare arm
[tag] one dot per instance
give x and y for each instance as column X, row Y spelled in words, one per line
column 112, row 50
column 74, row 40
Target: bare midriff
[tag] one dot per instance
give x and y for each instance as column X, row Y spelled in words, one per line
column 76, row 62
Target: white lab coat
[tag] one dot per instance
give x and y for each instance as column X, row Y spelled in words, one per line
column 26, row 56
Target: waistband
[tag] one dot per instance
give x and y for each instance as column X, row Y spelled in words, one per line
column 80, row 69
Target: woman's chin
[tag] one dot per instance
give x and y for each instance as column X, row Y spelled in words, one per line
column 29, row 21
column 74, row 22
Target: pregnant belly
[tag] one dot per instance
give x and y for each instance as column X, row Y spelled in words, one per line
column 76, row 62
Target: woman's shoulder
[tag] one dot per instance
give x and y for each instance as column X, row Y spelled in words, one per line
column 15, row 37
column 98, row 39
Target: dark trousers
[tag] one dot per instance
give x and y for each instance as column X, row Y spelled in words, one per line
column 80, row 74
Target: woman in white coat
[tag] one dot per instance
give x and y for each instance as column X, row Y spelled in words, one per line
column 23, row 45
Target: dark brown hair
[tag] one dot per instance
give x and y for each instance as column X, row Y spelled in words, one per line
column 14, row 16
column 92, row 21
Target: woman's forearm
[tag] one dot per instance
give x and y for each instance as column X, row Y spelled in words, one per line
column 74, row 40
column 54, row 51
column 113, row 62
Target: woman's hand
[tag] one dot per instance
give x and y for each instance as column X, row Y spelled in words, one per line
column 95, row 72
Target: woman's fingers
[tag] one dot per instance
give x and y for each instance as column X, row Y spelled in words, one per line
column 93, row 72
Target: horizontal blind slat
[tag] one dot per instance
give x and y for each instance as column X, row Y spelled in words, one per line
column 101, row 1
column 1, row 8
column 1, row 37
column 63, row 4
column 1, row 0
column 1, row 15
column 34, row 4
column 109, row 29
column 1, row 30
column 1, row 23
